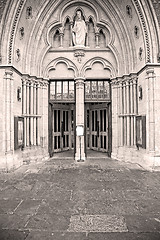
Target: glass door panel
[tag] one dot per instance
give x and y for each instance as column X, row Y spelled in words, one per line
column 59, row 90
column 62, row 91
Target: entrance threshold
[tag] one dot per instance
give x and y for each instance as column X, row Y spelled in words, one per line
column 91, row 154
column 64, row 155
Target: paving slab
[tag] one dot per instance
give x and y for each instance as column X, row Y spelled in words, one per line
column 97, row 199
column 8, row 205
column 49, row 222
column 47, row 235
column 29, row 206
column 13, row 234
column 139, row 223
column 124, row 236
column 13, row 221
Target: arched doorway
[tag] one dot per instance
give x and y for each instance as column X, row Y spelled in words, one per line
column 97, row 116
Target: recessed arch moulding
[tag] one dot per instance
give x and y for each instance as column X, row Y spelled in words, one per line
column 109, row 18
column 65, row 69
column 54, row 40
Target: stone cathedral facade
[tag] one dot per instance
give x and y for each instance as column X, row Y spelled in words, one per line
column 79, row 75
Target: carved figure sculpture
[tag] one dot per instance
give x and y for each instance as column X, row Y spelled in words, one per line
column 79, row 30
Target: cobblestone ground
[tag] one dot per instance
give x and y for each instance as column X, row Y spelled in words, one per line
column 95, row 200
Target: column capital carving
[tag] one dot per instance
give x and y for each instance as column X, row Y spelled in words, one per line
column 114, row 83
column 8, row 72
column 150, row 72
column 134, row 79
column 123, row 83
column 27, row 82
column 38, row 83
column 32, row 82
column 125, row 78
column 43, row 83
column 128, row 82
column 79, row 79
column 24, row 81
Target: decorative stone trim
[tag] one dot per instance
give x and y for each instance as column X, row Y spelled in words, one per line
column 13, row 31
column 79, row 54
column 145, row 30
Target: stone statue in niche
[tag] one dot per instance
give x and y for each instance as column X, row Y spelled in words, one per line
column 79, row 30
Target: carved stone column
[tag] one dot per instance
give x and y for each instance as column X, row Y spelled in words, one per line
column 87, row 40
column 24, row 104
column 150, row 110
column 132, row 112
column 38, row 113
column 45, row 102
column 34, row 112
column 43, row 98
column 31, row 111
column 9, row 118
column 71, row 42
column 135, row 105
column 114, row 85
column 97, row 39
column 120, row 119
column 61, row 39
column 124, row 113
column 128, row 111
column 80, row 118
column 27, row 112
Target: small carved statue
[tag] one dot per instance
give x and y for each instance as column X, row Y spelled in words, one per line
column 29, row 12
column 21, row 32
column 136, row 31
column 18, row 54
column 129, row 10
column 79, row 30
column 140, row 53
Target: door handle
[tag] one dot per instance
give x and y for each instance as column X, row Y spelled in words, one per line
column 97, row 128
column 62, row 129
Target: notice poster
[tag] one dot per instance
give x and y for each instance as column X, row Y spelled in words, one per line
column 80, row 130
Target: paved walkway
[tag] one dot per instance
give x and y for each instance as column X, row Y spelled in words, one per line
column 95, row 200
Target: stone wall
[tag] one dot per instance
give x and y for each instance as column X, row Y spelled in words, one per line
column 156, row 5
column 2, row 6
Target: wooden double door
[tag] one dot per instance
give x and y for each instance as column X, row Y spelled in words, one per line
column 98, row 127
column 62, row 127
